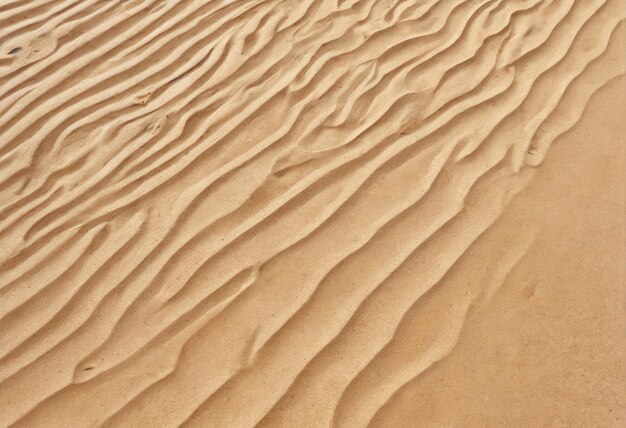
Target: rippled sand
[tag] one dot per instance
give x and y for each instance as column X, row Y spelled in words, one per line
column 311, row 213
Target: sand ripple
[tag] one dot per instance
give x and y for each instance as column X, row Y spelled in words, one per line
column 229, row 213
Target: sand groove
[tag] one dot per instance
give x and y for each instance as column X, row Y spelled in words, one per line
column 206, row 203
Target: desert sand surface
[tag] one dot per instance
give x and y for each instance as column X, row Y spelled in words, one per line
column 312, row 213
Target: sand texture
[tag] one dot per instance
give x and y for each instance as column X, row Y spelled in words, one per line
column 312, row 213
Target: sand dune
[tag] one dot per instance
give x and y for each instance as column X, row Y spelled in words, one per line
column 308, row 213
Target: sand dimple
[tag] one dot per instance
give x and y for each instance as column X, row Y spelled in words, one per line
column 302, row 213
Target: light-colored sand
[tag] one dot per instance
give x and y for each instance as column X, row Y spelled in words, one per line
column 310, row 213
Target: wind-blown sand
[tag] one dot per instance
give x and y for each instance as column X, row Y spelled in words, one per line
column 310, row 213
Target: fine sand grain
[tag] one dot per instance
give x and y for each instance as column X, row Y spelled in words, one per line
column 312, row 213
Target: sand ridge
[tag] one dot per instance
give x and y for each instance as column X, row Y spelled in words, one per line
column 260, row 212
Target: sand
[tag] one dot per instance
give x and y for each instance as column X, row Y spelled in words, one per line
column 311, row 213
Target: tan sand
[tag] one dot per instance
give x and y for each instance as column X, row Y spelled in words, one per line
column 311, row 213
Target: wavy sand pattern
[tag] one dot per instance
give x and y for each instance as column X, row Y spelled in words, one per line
column 282, row 213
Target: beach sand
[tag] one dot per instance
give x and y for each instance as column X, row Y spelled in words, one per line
column 311, row 213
